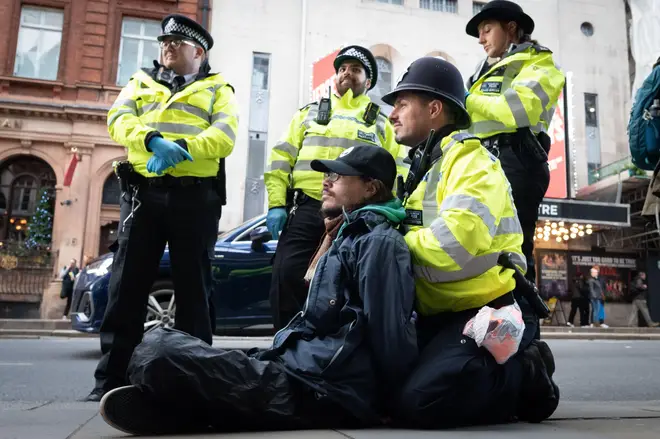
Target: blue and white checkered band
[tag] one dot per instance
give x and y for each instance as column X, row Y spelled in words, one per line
column 354, row 53
column 173, row 26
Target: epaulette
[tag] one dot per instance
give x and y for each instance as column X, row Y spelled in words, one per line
column 540, row 48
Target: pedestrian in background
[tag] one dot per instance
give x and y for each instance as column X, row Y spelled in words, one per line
column 579, row 301
column 68, row 277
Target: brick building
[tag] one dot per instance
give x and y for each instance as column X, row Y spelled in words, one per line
column 62, row 64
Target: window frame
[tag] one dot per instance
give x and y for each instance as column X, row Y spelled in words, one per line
column 456, row 2
column 141, row 38
column 12, row 42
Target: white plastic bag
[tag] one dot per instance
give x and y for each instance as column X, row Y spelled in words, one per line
column 498, row 330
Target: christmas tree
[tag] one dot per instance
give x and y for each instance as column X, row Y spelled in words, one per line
column 41, row 224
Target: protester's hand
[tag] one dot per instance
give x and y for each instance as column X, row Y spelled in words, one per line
column 170, row 152
column 275, row 221
column 156, row 165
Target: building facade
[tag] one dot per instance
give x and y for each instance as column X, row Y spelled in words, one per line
column 62, row 64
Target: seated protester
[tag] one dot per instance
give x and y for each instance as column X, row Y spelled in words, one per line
column 336, row 364
column 461, row 217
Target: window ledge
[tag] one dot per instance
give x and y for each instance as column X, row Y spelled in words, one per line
column 31, row 80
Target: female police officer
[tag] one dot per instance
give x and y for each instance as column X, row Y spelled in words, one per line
column 511, row 100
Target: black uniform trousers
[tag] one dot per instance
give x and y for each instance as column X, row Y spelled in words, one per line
column 196, row 386
column 295, row 249
column 529, row 182
column 185, row 218
column 456, row 383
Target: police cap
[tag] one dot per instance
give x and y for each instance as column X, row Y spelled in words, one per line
column 363, row 56
column 176, row 25
column 501, row 10
column 438, row 77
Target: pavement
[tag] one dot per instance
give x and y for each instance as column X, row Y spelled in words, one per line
column 610, row 389
column 12, row 328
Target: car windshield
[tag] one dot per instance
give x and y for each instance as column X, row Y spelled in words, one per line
column 225, row 235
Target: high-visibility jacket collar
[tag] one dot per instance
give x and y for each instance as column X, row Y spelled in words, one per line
column 348, row 100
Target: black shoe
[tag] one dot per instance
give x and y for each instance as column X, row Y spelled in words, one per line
column 95, row 395
column 131, row 411
column 540, row 394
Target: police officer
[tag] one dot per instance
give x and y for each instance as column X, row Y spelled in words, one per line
column 511, row 101
column 178, row 122
column 318, row 131
column 461, row 218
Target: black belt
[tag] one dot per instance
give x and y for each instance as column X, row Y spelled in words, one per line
column 169, row 182
column 501, row 141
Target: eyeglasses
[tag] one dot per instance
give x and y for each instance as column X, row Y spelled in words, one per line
column 175, row 44
column 331, row 176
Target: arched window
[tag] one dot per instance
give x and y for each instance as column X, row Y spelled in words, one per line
column 383, row 85
column 111, row 191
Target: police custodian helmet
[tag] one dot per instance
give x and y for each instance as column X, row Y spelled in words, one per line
column 438, row 77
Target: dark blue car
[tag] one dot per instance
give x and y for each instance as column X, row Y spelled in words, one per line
column 241, row 275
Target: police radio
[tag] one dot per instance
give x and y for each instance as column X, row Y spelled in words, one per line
column 323, row 115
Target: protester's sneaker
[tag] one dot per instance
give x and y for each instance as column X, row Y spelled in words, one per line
column 540, row 395
column 603, row 325
column 569, row 324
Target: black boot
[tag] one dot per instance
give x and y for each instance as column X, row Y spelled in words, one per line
column 540, row 394
column 95, row 395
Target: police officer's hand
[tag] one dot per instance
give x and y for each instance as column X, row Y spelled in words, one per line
column 168, row 151
column 156, row 165
column 275, row 220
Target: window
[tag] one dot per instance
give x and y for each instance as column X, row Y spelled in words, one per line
column 111, row 191
column 383, row 85
column 440, row 5
column 593, row 136
column 138, row 47
column 477, row 7
column 24, row 195
column 392, row 2
column 587, row 28
column 39, row 41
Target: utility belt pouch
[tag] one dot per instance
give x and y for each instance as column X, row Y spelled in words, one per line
column 530, row 147
column 125, row 174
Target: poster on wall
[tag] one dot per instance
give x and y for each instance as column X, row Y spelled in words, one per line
column 323, row 75
column 553, row 274
column 557, row 156
column 615, row 270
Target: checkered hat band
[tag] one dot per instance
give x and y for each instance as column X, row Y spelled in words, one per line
column 173, row 27
column 354, row 53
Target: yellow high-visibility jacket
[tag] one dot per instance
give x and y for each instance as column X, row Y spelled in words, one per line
column 204, row 115
column 521, row 90
column 305, row 140
column 461, row 218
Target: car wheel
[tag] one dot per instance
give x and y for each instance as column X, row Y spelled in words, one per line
column 161, row 308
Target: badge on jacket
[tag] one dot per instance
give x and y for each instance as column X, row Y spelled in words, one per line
column 413, row 218
column 491, row 87
column 370, row 137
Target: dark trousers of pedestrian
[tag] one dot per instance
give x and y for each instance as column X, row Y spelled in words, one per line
column 582, row 305
column 457, row 383
column 67, row 307
column 295, row 249
column 195, row 386
column 529, row 182
column 181, row 217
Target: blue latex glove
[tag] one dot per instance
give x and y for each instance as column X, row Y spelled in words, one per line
column 467, row 93
column 168, row 151
column 157, row 165
column 275, row 221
